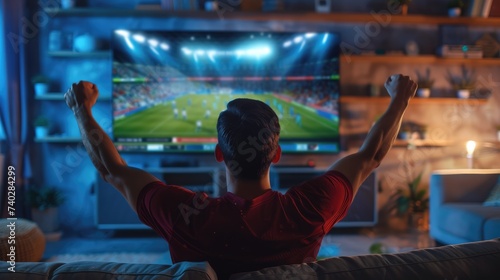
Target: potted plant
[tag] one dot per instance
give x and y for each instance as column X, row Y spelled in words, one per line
column 41, row 84
column 403, row 4
column 44, row 202
column 455, row 8
column 414, row 202
column 464, row 83
column 41, row 127
column 425, row 83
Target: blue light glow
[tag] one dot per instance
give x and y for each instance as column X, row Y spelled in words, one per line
column 325, row 38
column 139, row 38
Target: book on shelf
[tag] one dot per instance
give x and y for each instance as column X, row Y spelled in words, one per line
column 485, row 11
column 480, row 8
column 474, row 8
column 495, row 9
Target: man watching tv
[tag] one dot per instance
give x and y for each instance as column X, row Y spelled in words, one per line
column 252, row 226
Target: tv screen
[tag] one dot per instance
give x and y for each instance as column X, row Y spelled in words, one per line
column 169, row 87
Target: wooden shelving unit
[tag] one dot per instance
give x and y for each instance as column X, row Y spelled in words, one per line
column 419, row 59
column 284, row 16
column 59, row 96
column 416, row 100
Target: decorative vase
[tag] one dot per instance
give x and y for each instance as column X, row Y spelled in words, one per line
column 463, row 93
column 419, row 221
column 404, row 9
column 41, row 89
column 41, row 131
column 454, row 12
column 323, row 6
column 424, row 92
column 47, row 220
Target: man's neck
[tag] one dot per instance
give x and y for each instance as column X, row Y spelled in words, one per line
column 247, row 189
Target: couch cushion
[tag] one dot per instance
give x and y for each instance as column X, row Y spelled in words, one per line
column 465, row 220
column 477, row 260
column 28, row 270
column 492, row 228
column 120, row 271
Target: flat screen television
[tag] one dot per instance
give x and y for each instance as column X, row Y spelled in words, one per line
column 169, row 87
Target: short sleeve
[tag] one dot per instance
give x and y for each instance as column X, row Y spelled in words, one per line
column 325, row 198
column 158, row 206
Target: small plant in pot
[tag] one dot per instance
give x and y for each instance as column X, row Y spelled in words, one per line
column 44, row 202
column 41, row 84
column 41, row 127
column 425, row 83
column 455, row 8
column 463, row 84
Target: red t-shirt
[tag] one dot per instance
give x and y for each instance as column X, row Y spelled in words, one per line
column 237, row 235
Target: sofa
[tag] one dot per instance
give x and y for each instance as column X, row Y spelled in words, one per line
column 457, row 213
column 476, row 260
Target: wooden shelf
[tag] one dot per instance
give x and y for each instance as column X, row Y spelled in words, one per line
column 58, row 139
column 416, row 100
column 59, row 96
column 285, row 16
column 419, row 143
column 72, row 54
column 420, row 59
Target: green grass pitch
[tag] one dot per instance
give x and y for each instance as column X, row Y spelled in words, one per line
column 159, row 121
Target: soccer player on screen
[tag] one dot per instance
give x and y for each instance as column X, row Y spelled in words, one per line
column 184, row 114
column 251, row 226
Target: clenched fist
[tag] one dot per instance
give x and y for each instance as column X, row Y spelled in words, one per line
column 84, row 94
column 400, row 86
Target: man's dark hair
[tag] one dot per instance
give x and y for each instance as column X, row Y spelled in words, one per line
column 248, row 133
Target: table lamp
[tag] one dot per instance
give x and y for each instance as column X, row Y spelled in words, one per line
column 470, row 146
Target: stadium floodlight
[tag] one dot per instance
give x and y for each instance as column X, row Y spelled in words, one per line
column 310, row 35
column 200, row 52
column 153, row 43
column 325, row 38
column 154, row 50
column 211, row 54
column 298, row 39
column 186, row 51
column 139, row 38
column 265, row 51
column 164, row 46
column 302, row 45
column 287, row 44
column 124, row 33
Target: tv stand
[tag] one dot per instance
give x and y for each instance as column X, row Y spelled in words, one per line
column 212, row 180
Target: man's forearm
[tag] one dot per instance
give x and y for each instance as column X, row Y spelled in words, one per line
column 99, row 146
column 384, row 132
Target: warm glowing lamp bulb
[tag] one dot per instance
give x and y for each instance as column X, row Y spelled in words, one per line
column 470, row 146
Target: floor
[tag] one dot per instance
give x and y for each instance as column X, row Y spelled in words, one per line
column 339, row 243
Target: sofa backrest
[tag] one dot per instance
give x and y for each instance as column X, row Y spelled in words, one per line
column 107, row 270
column 462, row 185
column 478, row 260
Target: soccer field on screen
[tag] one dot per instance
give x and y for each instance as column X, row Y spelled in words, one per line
column 160, row 120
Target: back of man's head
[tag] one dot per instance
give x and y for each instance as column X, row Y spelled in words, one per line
column 248, row 134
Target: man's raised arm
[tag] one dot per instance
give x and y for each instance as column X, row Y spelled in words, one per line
column 358, row 166
column 127, row 180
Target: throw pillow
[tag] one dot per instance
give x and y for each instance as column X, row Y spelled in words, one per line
column 494, row 197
